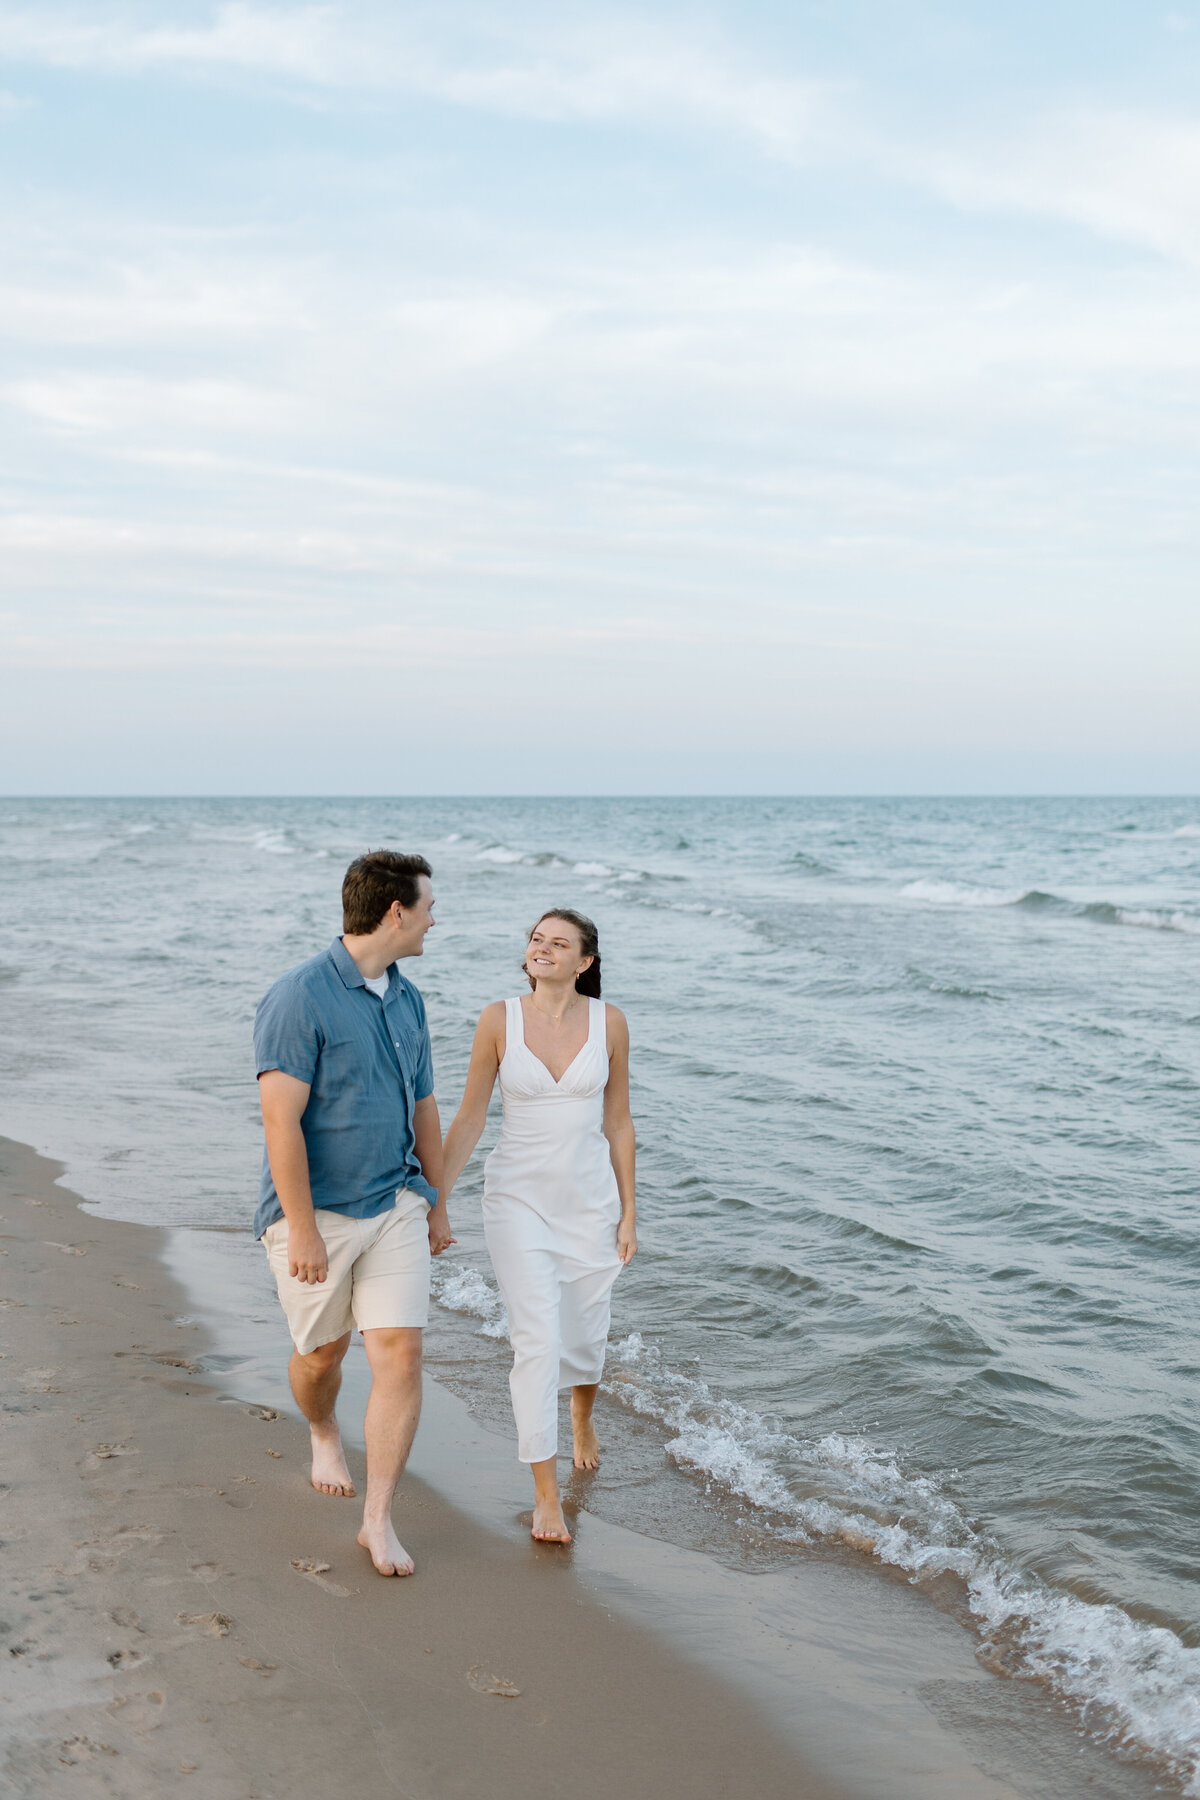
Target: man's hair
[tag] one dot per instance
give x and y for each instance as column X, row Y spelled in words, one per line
column 373, row 882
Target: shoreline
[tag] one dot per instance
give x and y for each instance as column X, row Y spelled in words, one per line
column 181, row 1607
column 159, row 1628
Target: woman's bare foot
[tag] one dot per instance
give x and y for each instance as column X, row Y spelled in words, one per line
column 587, row 1444
column 329, row 1472
column 387, row 1552
column 549, row 1526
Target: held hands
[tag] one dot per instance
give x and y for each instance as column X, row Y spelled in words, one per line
column 308, row 1259
column 439, row 1229
column 627, row 1243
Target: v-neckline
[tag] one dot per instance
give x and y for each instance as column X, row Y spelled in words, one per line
column 557, row 1080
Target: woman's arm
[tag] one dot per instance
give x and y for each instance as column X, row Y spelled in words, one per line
column 618, row 1129
column 471, row 1117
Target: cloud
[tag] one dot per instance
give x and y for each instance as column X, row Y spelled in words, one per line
column 1130, row 177
column 624, row 69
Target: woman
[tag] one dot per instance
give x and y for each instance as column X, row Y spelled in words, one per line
column 558, row 1198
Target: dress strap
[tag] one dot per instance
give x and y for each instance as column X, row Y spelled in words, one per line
column 596, row 1021
column 514, row 1024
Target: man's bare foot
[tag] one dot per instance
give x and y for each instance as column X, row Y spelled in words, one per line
column 387, row 1552
column 549, row 1526
column 329, row 1472
column 587, row 1444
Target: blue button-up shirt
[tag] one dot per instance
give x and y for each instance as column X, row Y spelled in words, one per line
column 367, row 1062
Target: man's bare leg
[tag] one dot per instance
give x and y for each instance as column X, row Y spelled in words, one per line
column 315, row 1380
column 392, row 1413
column 587, row 1444
column 549, row 1526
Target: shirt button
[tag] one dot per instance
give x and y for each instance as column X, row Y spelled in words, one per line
column 397, row 1043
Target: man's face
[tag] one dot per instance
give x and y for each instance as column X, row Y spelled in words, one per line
column 412, row 922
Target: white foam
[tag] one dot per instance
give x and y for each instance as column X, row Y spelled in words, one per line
column 954, row 893
column 499, row 853
column 462, row 1289
column 595, row 868
column 272, row 842
column 1139, row 1683
column 1186, row 831
column 1159, row 921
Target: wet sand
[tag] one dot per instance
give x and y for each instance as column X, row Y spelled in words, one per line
column 180, row 1609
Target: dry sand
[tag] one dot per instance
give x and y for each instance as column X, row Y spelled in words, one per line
column 181, row 1612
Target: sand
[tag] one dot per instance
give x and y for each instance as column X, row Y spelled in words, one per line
column 181, row 1611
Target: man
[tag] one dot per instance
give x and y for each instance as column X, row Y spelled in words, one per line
column 348, row 1207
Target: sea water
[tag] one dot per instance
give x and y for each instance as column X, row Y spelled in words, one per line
column 915, row 1085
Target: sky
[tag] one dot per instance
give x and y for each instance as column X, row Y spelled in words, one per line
column 549, row 398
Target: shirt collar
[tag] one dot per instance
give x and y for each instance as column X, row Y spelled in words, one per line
column 345, row 964
column 349, row 970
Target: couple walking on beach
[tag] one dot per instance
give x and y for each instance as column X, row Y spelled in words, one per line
column 356, row 1178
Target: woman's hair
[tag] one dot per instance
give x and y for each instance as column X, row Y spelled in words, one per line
column 589, row 942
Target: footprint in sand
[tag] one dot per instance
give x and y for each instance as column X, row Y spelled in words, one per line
column 261, row 1668
column 208, row 1571
column 126, row 1618
column 105, row 1452
column 315, row 1572
column 216, row 1624
column 483, row 1683
column 266, row 1413
column 67, row 1249
column 140, row 1712
column 123, row 1281
column 124, row 1659
column 73, row 1751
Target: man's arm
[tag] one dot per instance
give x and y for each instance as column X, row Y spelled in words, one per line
column 283, row 1099
column 427, row 1132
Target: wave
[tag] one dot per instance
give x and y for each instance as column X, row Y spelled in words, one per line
column 461, row 1289
column 1102, row 912
column 549, row 859
column 955, row 893
column 1137, row 1682
column 1186, row 831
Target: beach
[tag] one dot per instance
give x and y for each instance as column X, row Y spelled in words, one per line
column 180, row 1607
column 896, row 1409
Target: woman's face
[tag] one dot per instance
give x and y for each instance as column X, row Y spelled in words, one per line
column 555, row 951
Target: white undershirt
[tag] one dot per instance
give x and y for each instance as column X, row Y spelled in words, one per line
column 378, row 984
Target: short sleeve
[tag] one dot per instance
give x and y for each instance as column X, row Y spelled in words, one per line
column 286, row 1033
column 423, row 1078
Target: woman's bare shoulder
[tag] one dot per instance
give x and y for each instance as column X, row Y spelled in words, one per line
column 618, row 1025
column 490, row 1033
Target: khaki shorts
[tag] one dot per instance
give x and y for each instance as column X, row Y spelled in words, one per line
column 378, row 1273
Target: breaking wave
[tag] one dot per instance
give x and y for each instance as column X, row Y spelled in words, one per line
column 462, row 1289
column 1139, row 1684
column 1101, row 912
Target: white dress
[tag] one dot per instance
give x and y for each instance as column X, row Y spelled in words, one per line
column 550, row 1215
